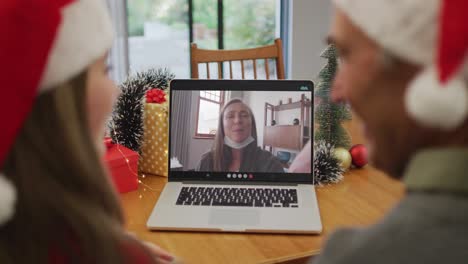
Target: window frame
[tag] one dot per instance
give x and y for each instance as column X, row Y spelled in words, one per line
column 119, row 10
column 221, row 104
column 284, row 19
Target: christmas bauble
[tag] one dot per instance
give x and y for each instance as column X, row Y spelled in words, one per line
column 343, row 157
column 359, row 155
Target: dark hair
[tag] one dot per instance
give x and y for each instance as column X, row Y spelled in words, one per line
column 218, row 148
column 65, row 200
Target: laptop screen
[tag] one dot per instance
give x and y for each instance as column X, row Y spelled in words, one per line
column 235, row 130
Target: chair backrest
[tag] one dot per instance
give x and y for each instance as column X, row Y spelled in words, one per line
column 203, row 56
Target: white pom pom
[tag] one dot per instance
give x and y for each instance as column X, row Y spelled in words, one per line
column 7, row 199
column 434, row 105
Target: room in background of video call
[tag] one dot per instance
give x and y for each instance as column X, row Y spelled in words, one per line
column 281, row 120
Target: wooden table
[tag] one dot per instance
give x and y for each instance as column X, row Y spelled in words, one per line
column 362, row 198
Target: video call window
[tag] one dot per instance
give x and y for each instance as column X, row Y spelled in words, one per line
column 209, row 106
column 251, row 131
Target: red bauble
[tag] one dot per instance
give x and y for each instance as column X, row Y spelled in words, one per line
column 359, row 155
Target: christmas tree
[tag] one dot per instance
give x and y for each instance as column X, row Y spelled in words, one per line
column 329, row 115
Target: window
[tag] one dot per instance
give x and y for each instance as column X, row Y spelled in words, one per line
column 158, row 35
column 160, row 31
column 209, row 107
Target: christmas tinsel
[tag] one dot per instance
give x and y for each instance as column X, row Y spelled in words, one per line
column 126, row 125
column 326, row 167
column 329, row 115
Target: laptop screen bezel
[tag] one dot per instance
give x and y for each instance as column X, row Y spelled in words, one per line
column 240, row 85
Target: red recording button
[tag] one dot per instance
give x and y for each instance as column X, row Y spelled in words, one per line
column 250, row 176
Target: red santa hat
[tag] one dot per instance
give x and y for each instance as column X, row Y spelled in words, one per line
column 430, row 33
column 44, row 43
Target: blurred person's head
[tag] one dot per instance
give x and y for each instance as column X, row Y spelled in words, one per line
column 392, row 75
column 56, row 198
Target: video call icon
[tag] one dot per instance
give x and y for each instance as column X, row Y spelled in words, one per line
column 239, row 176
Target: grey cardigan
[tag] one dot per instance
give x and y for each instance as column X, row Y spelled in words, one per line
column 254, row 160
column 429, row 226
column 425, row 228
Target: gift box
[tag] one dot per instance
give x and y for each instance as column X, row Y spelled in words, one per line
column 123, row 166
column 154, row 147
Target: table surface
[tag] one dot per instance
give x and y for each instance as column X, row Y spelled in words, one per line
column 362, row 198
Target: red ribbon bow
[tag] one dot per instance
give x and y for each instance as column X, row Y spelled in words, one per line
column 155, row 95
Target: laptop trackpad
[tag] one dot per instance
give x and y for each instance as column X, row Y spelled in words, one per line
column 234, row 217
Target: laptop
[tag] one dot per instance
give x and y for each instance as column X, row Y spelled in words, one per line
column 233, row 142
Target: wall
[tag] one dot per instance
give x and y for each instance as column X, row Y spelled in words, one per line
column 310, row 23
column 309, row 28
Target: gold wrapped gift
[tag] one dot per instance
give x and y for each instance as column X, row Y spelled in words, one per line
column 154, row 148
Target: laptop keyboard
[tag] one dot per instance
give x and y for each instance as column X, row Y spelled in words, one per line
column 247, row 197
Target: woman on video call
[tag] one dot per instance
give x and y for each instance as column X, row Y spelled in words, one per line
column 235, row 145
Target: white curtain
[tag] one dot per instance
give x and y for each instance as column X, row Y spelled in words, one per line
column 180, row 128
column 118, row 57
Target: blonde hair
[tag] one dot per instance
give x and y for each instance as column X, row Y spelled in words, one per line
column 65, row 200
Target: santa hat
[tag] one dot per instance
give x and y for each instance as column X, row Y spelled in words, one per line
column 46, row 43
column 430, row 33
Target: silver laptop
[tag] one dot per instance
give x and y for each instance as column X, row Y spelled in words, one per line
column 231, row 144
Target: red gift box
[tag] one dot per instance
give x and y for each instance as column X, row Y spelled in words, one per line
column 124, row 174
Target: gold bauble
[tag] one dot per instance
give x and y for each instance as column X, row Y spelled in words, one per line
column 344, row 158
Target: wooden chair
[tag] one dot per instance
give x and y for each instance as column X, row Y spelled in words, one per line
column 203, row 56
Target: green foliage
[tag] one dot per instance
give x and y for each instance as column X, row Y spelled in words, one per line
column 206, row 13
column 139, row 11
column 330, row 53
column 176, row 13
column 328, row 115
column 249, row 23
column 171, row 12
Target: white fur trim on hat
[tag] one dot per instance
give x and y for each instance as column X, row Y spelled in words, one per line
column 408, row 29
column 405, row 28
column 84, row 35
column 7, row 199
column 435, row 105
